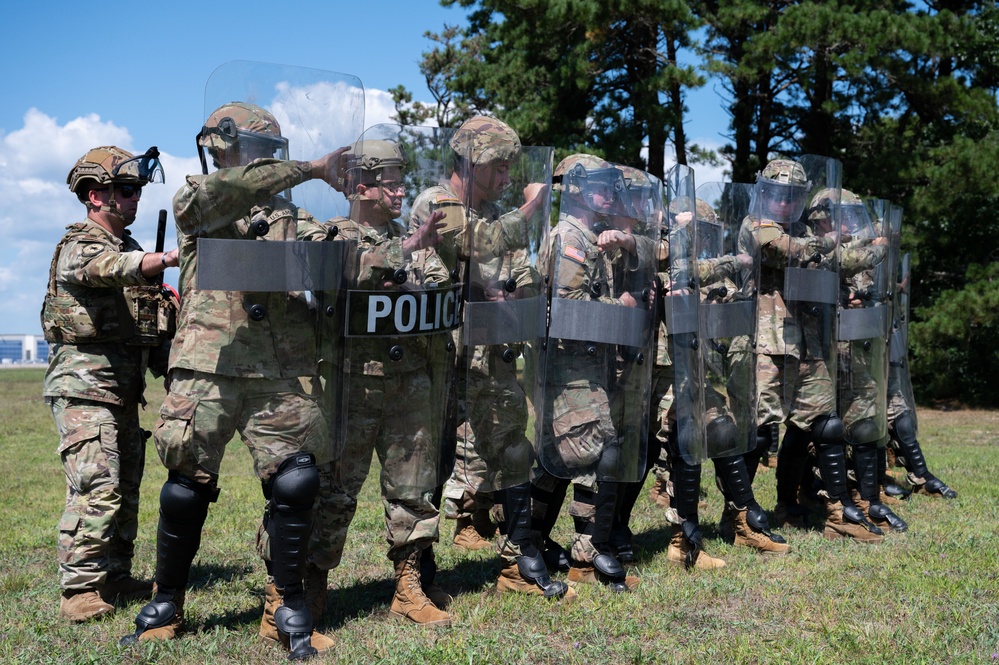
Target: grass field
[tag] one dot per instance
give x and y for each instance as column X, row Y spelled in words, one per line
column 928, row 596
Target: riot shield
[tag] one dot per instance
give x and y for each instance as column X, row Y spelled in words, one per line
column 811, row 281
column 900, row 393
column 505, row 316
column 864, row 309
column 681, row 299
column 729, row 282
column 399, row 311
column 258, row 113
column 596, row 373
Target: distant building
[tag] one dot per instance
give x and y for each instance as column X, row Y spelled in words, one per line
column 23, row 349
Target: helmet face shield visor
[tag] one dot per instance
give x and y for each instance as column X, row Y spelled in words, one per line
column 144, row 168
column 240, row 145
column 856, row 222
column 603, row 191
column 781, row 202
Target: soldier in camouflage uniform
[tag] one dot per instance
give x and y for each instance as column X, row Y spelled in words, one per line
column 582, row 441
column 107, row 321
column 388, row 405
column 242, row 362
column 493, row 453
column 863, row 332
column 794, row 381
column 902, row 425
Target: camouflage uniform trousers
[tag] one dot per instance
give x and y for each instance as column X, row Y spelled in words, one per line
column 407, row 441
column 493, row 449
column 862, row 393
column 103, row 455
column 276, row 418
column 582, row 427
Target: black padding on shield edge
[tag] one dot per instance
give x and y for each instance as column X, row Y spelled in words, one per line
column 265, row 266
column 866, row 323
column 599, row 322
column 730, row 319
column 802, row 284
column 505, row 322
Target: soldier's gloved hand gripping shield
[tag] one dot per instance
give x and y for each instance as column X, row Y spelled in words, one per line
column 401, row 306
column 594, row 391
column 864, row 317
column 729, row 273
column 506, row 302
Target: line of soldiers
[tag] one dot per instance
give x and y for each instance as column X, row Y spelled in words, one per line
column 491, row 348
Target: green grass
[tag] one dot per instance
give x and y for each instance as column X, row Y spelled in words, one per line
column 929, row 596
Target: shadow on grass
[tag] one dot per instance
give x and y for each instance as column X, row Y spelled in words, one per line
column 207, row 575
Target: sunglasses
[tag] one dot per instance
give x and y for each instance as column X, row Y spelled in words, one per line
column 128, row 191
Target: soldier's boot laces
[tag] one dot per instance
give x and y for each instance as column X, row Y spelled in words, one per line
column 125, row 588
column 849, row 521
column 80, row 606
column 753, row 531
column 529, row 575
column 273, row 600
column 160, row 619
column 467, row 536
column 428, row 574
column 410, row 602
column 683, row 552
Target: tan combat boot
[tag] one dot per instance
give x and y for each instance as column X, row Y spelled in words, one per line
column 511, row 581
column 409, row 601
column 679, row 547
column 268, row 629
column 171, row 630
column 747, row 536
column 125, row 587
column 467, row 536
column 80, row 606
column 837, row 526
column 586, row 573
column 659, row 493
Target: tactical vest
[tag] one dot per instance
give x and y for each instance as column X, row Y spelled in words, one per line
column 77, row 314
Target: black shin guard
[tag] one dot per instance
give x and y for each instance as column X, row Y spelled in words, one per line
column 792, row 462
column 291, row 492
column 734, row 479
column 865, row 468
column 545, row 509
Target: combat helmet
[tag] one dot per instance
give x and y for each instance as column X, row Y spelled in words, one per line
column 782, row 186
column 854, row 218
column 582, row 175
column 483, row 139
column 110, row 165
column 248, row 127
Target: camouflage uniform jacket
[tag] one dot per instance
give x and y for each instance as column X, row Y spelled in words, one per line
column 214, row 332
column 499, row 239
column 379, row 253
column 778, row 333
column 92, row 263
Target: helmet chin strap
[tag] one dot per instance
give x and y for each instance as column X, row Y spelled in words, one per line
column 112, row 207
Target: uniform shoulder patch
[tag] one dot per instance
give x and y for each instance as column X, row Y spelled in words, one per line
column 574, row 254
column 91, row 248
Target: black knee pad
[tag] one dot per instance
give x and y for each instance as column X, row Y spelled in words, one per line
column 722, row 434
column 828, row 430
column 610, row 461
column 864, row 431
column 295, row 484
column 184, row 499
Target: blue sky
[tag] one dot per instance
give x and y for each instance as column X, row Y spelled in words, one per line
column 79, row 75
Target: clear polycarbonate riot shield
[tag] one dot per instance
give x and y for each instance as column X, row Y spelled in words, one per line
column 681, row 299
column 399, row 311
column 257, row 115
column 864, row 309
column 900, row 393
column 262, row 111
column 811, row 282
column 505, row 315
column 729, row 283
column 594, row 387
